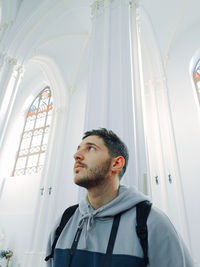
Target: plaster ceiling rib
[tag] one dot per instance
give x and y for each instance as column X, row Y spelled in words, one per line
column 49, row 11
column 173, row 32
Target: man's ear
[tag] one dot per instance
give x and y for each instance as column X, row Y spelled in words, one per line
column 118, row 163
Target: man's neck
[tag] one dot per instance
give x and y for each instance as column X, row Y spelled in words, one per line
column 100, row 196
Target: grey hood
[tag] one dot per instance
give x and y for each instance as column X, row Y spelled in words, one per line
column 127, row 198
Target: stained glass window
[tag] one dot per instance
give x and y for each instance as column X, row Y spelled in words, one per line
column 196, row 76
column 33, row 145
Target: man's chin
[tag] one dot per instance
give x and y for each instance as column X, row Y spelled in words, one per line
column 78, row 180
column 81, row 183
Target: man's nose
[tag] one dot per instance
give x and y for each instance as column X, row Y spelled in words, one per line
column 78, row 155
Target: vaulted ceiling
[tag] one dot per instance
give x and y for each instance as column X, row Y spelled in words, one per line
column 60, row 29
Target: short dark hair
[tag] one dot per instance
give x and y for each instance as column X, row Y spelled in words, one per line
column 115, row 145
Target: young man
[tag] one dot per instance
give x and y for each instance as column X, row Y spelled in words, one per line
column 100, row 162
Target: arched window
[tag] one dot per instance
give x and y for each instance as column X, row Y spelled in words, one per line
column 33, row 145
column 196, row 76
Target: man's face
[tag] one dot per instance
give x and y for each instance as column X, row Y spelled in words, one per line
column 92, row 162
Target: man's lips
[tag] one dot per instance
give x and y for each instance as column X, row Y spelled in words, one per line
column 79, row 165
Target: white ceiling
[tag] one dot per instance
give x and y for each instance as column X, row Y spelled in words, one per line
column 171, row 19
column 60, row 29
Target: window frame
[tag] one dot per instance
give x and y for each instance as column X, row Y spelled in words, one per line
column 42, row 113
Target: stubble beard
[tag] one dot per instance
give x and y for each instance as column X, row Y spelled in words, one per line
column 95, row 176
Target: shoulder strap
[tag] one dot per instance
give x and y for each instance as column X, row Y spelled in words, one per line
column 111, row 242
column 65, row 218
column 142, row 212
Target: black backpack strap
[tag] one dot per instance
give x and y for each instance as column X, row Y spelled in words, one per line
column 111, row 242
column 74, row 245
column 65, row 218
column 142, row 212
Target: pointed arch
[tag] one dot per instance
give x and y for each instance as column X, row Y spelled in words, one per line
column 33, row 145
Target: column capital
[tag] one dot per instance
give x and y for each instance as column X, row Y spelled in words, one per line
column 134, row 3
column 97, row 7
column 4, row 26
column 11, row 61
column 19, row 68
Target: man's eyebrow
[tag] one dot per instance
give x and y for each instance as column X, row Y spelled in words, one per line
column 89, row 144
column 92, row 144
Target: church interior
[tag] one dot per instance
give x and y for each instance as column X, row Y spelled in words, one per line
column 68, row 66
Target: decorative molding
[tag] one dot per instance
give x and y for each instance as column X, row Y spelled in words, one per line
column 98, row 7
column 19, row 69
column 4, row 26
column 133, row 3
column 7, row 61
column 11, row 61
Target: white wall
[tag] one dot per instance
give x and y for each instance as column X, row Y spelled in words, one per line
column 185, row 115
column 17, row 203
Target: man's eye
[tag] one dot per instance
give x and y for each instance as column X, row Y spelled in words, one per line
column 91, row 148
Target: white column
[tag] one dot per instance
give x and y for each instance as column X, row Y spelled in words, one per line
column 163, row 161
column 9, row 82
column 138, row 109
column 110, row 89
column 7, row 65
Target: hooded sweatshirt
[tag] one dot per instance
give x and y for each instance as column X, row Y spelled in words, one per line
column 166, row 248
